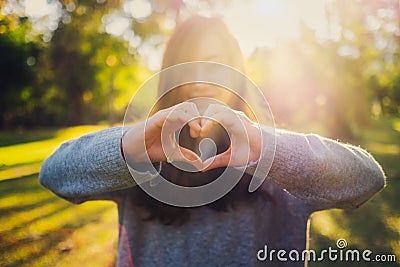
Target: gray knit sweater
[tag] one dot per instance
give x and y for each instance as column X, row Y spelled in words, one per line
column 309, row 173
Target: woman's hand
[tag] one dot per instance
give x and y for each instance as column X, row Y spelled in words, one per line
column 245, row 135
column 154, row 139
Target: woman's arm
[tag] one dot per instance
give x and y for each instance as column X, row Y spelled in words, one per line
column 323, row 172
column 90, row 167
column 93, row 166
column 320, row 171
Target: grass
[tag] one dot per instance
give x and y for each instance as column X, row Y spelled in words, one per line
column 25, row 158
column 39, row 229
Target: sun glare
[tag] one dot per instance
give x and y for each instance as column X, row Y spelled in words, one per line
column 139, row 9
column 262, row 23
column 271, row 7
column 255, row 23
column 39, row 8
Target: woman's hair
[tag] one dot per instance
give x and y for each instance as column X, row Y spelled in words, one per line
column 187, row 35
column 178, row 50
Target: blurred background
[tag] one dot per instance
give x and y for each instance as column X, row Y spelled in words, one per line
column 69, row 67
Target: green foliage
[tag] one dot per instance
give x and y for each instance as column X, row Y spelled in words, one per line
column 78, row 55
column 81, row 72
column 17, row 77
column 82, row 75
column 340, row 83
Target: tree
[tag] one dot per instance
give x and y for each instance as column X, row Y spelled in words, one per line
column 83, row 65
column 16, row 58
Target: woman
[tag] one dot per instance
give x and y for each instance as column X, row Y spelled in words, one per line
column 309, row 173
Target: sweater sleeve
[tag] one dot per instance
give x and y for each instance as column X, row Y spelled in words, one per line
column 90, row 167
column 324, row 173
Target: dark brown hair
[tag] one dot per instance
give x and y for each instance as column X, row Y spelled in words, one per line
column 181, row 42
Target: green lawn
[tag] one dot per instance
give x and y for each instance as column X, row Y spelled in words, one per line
column 40, row 229
column 36, row 227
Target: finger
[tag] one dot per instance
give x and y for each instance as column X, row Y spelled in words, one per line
column 207, row 121
column 188, row 113
column 181, row 114
column 191, row 110
column 230, row 119
column 220, row 160
column 195, row 128
column 206, row 127
column 211, row 110
column 173, row 153
column 168, row 144
column 188, row 156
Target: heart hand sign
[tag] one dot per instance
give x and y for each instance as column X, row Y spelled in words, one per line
column 202, row 97
column 245, row 136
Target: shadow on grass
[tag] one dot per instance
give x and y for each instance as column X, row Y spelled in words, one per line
column 43, row 216
column 21, row 208
column 28, row 184
column 7, row 167
column 33, row 246
column 8, row 138
column 37, row 222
